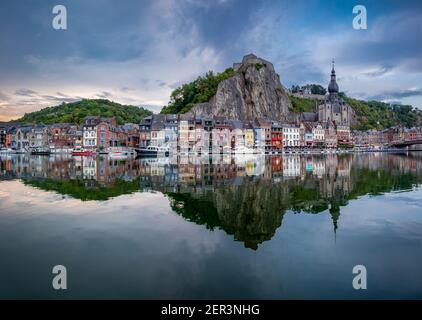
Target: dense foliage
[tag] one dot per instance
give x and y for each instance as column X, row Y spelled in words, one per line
column 303, row 105
column 369, row 114
column 380, row 115
column 198, row 91
column 314, row 88
column 75, row 112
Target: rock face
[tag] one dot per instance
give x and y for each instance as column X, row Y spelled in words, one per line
column 253, row 92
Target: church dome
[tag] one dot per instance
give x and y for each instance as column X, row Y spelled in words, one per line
column 333, row 86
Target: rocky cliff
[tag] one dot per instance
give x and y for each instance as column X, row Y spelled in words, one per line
column 253, row 92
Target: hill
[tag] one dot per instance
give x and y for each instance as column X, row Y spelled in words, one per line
column 75, row 112
column 379, row 115
column 369, row 114
column 252, row 89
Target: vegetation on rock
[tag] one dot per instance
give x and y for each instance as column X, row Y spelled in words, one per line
column 198, row 91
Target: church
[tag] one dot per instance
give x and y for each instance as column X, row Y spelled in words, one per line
column 333, row 108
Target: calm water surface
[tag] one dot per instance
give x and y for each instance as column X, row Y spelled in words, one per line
column 259, row 227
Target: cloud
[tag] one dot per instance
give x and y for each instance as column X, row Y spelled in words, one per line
column 3, row 97
column 397, row 94
column 104, row 95
column 163, row 43
column 26, row 93
column 378, row 72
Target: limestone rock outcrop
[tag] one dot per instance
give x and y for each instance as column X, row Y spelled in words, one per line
column 255, row 91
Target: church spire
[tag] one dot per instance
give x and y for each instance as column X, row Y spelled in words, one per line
column 333, row 86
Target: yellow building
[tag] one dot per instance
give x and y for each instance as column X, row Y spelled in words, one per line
column 249, row 135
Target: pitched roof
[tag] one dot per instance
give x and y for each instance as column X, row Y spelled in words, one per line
column 309, row 116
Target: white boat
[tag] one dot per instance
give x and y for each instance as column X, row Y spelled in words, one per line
column 153, row 151
column 243, row 150
column 63, row 150
column 227, row 150
column 121, row 153
column 7, row 151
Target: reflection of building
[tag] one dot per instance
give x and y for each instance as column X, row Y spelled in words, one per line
column 291, row 166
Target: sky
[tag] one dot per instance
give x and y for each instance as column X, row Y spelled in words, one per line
column 137, row 52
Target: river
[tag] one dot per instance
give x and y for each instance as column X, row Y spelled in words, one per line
column 258, row 227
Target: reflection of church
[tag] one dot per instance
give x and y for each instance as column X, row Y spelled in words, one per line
column 334, row 108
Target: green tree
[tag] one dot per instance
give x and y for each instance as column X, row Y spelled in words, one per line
column 200, row 90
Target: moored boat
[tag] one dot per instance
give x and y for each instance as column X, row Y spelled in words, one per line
column 40, row 151
column 153, row 151
column 244, row 150
column 79, row 151
column 121, row 153
column 7, row 151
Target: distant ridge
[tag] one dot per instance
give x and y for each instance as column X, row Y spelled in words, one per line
column 75, row 112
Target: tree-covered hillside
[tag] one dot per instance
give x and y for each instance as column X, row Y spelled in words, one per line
column 75, row 112
column 379, row 115
column 369, row 114
column 198, row 91
column 303, row 105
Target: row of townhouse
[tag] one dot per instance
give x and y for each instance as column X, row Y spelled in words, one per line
column 100, row 133
column 95, row 133
column 26, row 138
column 187, row 133
column 372, row 138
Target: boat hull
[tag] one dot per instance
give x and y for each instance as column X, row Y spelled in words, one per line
column 147, row 153
column 83, row 153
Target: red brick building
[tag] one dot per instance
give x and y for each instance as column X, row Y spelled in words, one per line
column 276, row 136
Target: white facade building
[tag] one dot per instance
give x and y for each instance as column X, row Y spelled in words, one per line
column 291, row 136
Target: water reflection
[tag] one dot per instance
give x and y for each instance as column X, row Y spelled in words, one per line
column 246, row 197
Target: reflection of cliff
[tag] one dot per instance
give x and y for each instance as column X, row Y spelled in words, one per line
column 252, row 208
column 251, row 211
